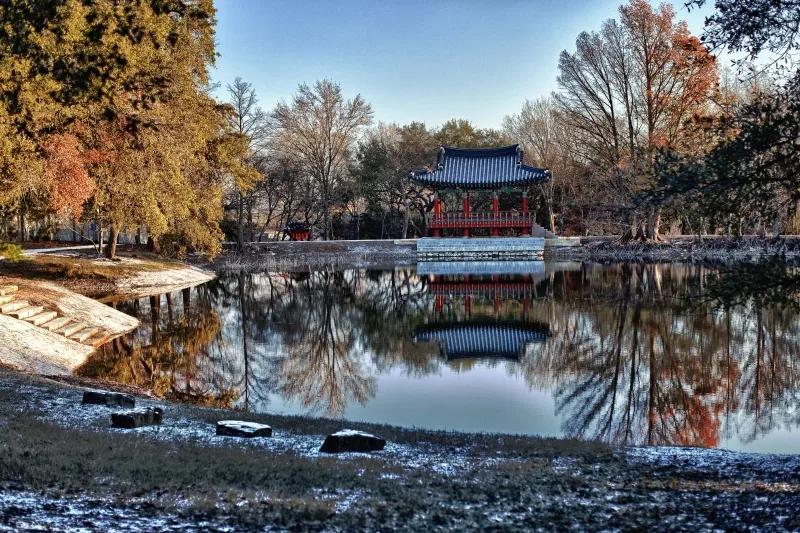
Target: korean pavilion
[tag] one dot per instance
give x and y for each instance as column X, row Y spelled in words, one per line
column 469, row 170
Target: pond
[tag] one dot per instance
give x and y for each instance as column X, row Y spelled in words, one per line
column 634, row 354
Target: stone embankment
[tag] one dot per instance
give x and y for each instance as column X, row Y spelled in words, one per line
column 47, row 329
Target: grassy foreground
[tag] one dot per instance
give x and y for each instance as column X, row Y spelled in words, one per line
column 75, row 471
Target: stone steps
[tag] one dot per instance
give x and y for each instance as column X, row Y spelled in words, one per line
column 27, row 312
column 539, row 231
column 56, row 323
column 8, row 289
column 84, row 334
column 13, row 306
column 49, row 320
column 72, row 329
column 98, row 340
column 41, row 318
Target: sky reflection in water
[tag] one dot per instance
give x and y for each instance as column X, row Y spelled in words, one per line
column 630, row 354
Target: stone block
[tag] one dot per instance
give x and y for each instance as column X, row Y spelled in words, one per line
column 148, row 416
column 114, row 399
column 350, row 440
column 238, row 428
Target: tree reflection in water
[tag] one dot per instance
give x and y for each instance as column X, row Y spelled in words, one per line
column 170, row 353
column 637, row 354
column 641, row 356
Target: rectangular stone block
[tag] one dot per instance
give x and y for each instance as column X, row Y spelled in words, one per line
column 108, row 398
column 238, row 428
column 148, row 416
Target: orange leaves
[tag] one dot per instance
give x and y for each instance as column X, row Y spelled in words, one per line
column 66, row 175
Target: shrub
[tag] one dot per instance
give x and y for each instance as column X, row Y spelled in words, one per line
column 10, row 252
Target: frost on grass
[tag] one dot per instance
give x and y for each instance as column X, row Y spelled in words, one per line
column 723, row 462
column 65, row 409
column 26, row 511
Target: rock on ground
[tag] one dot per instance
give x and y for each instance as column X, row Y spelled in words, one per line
column 238, row 428
column 349, row 440
column 149, row 416
column 108, row 398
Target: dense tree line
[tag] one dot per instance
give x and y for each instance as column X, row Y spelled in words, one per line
column 107, row 114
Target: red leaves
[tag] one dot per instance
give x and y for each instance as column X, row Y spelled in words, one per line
column 66, row 174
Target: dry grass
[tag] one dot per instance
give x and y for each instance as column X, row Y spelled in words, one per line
column 541, row 483
column 87, row 274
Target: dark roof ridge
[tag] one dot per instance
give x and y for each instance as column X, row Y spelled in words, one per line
column 452, row 151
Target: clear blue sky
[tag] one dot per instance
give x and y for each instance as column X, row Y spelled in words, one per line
column 427, row 61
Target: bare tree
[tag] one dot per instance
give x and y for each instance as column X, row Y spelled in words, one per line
column 318, row 130
column 535, row 128
column 249, row 120
column 629, row 90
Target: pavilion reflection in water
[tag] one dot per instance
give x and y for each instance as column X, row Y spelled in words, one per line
column 481, row 309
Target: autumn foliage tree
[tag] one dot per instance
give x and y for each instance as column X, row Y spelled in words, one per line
column 627, row 91
column 111, row 101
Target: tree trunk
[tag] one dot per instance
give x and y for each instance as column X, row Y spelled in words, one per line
column 640, row 232
column 21, row 225
column 250, row 228
column 654, row 223
column 99, row 236
column 111, row 246
column 548, row 206
column 405, row 218
column 627, row 226
column 239, row 224
column 152, row 245
column 776, row 220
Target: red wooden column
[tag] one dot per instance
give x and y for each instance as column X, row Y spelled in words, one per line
column 527, row 229
column 496, row 213
column 496, row 286
column 466, row 213
column 439, row 303
column 437, row 213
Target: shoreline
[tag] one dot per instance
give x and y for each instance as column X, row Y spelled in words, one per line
column 180, row 473
column 338, row 255
column 73, row 300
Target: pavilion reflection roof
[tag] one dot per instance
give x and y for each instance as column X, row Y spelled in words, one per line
column 503, row 340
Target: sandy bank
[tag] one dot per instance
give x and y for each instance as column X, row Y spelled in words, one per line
column 148, row 283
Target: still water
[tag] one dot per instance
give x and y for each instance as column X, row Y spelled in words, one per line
column 629, row 354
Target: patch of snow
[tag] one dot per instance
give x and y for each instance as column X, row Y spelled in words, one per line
column 352, row 433
column 239, row 424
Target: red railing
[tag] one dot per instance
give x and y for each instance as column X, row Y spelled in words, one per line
column 501, row 219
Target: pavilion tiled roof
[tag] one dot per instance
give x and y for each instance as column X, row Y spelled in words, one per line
column 474, row 168
column 497, row 340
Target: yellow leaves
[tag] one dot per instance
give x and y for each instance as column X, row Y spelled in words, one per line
column 20, row 166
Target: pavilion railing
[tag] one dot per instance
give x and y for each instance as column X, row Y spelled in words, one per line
column 480, row 219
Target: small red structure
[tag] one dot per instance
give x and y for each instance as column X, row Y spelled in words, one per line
column 466, row 170
column 299, row 235
column 297, row 231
